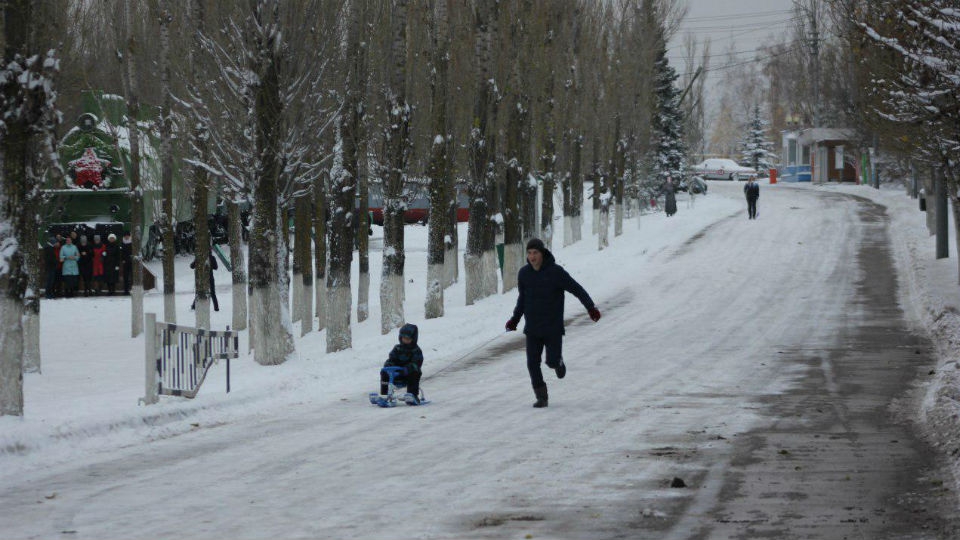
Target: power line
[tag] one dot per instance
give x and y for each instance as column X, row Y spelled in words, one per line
column 740, row 15
column 747, row 26
column 745, row 62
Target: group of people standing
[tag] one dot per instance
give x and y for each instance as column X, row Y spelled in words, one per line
column 73, row 263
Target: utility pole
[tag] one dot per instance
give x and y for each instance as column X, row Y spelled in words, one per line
column 814, row 13
column 943, row 232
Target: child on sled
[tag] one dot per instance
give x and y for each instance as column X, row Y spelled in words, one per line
column 406, row 355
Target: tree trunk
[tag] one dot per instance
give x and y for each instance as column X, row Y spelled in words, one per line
column 342, row 188
column 14, row 223
column 480, row 246
column 238, row 266
column 270, row 322
column 517, row 153
column 451, row 260
column 363, row 235
column 133, row 175
column 320, row 249
column 398, row 140
column 31, row 300
column 166, row 168
column 439, row 170
column 303, row 264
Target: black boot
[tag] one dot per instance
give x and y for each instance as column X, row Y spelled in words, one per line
column 541, row 392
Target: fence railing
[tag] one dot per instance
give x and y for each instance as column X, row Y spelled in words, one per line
column 179, row 357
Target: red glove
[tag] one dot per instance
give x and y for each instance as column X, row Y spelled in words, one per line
column 594, row 314
column 512, row 324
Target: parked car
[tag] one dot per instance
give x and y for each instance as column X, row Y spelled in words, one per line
column 694, row 184
column 723, row 169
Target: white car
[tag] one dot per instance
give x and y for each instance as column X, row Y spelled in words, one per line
column 723, row 169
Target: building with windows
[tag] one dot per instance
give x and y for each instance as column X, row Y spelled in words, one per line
column 820, row 155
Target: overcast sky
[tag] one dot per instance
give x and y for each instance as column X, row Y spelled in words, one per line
column 746, row 25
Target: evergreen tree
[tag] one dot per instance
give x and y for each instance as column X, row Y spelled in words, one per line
column 671, row 150
column 756, row 146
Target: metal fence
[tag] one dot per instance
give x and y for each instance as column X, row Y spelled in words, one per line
column 179, row 357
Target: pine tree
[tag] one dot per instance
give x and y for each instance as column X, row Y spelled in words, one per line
column 756, row 146
column 671, row 150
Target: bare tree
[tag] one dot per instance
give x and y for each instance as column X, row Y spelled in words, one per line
column 480, row 245
column 165, row 220
column 130, row 56
column 274, row 342
column 518, row 146
column 398, row 148
column 439, row 169
column 28, row 109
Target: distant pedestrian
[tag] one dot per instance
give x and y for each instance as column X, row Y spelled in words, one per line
column 213, row 285
column 99, row 251
column 51, row 261
column 752, row 192
column 541, row 284
column 111, row 264
column 126, row 261
column 86, row 264
column 69, row 256
column 670, row 197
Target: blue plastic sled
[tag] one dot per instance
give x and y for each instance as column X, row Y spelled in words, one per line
column 395, row 383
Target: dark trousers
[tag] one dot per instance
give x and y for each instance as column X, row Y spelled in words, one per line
column 411, row 378
column 535, row 346
column 127, row 277
column 752, row 208
column 213, row 296
column 51, row 284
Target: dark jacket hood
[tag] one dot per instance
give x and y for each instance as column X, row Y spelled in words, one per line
column 409, row 330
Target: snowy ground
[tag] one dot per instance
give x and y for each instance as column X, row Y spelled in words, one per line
column 83, row 410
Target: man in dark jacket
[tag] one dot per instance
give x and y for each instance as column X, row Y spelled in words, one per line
column 541, row 284
column 752, row 191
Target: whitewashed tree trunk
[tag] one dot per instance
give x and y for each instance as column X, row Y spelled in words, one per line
column 433, row 305
column 202, row 308
column 296, row 310
column 306, row 314
column 451, row 261
column 491, row 272
column 603, row 230
column 31, row 341
column 514, row 257
column 618, row 220
column 31, row 300
column 568, row 226
column 166, row 169
column 473, row 272
column 339, row 334
column 11, row 351
column 391, row 295
column 363, row 296
column 133, row 175
column 270, row 323
column 238, row 267
column 397, row 136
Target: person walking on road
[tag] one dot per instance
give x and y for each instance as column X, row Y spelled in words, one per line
column 752, row 191
column 541, row 284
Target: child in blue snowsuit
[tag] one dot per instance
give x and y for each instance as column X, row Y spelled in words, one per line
column 408, row 356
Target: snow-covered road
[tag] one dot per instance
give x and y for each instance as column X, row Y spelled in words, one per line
column 754, row 362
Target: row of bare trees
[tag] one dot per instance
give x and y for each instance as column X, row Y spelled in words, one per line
column 302, row 108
